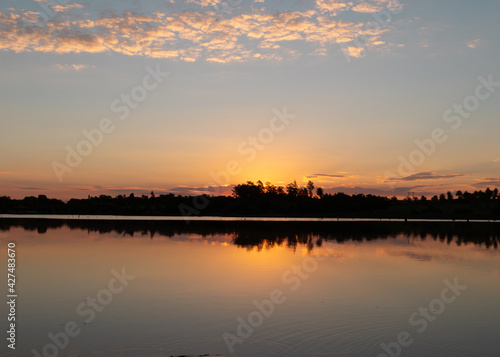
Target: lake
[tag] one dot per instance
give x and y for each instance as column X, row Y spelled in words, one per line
column 235, row 288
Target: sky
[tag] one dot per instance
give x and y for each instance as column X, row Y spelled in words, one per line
column 378, row 97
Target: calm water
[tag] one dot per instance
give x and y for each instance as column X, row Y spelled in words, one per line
column 337, row 290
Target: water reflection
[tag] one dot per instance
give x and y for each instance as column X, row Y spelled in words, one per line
column 192, row 283
column 259, row 234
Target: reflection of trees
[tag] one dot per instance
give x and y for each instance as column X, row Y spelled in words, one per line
column 269, row 234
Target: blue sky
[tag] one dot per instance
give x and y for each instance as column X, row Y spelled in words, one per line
column 363, row 79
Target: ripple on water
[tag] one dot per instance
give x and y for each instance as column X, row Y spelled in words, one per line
column 349, row 336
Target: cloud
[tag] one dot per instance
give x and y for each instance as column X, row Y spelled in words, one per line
column 190, row 34
column 32, row 188
column 332, row 6
column 475, row 43
column 425, row 175
column 325, row 175
column 354, row 51
column 202, row 190
column 74, row 67
column 205, row 3
column 370, row 190
column 374, row 6
column 62, row 8
column 487, row 182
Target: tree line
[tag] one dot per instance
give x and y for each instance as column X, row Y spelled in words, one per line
column 259, row 199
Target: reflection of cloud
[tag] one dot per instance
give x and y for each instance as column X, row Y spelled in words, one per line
column 416, row 255
column 425, row 175
column 421, row 257
column 190, row 34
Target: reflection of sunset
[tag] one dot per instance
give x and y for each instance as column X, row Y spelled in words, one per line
column 189, row 288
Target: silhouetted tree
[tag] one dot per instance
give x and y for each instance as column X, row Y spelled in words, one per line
column 310, row 188
column 260, row 186
column 271, row 189
column 292, row 189
column 248, row 190
column 303, row 192
column 319, row 192
column 449, row 196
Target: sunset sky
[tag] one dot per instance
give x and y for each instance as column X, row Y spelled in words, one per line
column 375, row 96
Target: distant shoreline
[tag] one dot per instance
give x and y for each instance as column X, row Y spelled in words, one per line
column 265, row 202
column 229, row 219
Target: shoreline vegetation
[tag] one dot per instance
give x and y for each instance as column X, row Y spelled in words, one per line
column 267, row 200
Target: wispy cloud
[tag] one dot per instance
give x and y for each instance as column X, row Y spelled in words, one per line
column 202, row 190
column 371, row 189
column 425, row 175
column 74, row 67
column 63, row 8
column 487, row 182
column 326, row 175
column 373, row 6
column 475, row 43
column 335, row 176
column 32, row 188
